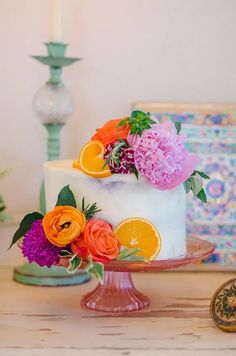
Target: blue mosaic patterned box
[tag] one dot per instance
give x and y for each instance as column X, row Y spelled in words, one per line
column 211, row 132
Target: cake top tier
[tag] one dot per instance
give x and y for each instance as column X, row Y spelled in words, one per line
column 139, row 144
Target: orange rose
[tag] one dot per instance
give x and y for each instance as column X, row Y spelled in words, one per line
column 63, row 224
column 111, row 132
column 79, row 246
column 98, row 241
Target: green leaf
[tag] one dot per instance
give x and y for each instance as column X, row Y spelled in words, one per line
column 196, row 184
column 66, row 197
column 89, row 264
column 136, row 113
column 90, row 210
column 107, row 161
column 126, row 252
column 139, row 121
column 75, row 263
column 83, row 204
column 65, row 253
column 25, row 226
column 202, row 196
column 202, row 174
column 123, row 122
column 177, row 126
column 187, row 186
column 129, row 254
column 134, row 170
column 114, row 155
column 135, row 258
column 98, row 271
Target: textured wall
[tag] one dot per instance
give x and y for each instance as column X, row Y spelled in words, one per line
column 160, row 50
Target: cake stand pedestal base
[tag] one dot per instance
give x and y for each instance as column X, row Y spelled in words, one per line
column 117, row 294
column 31, row 273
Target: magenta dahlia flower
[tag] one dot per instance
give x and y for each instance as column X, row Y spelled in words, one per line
column 37, row 248
column 160, row 156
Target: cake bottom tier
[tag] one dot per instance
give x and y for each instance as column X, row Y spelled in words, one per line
column 121, row 197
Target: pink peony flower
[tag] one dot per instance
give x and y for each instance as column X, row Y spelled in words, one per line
column 160, row 156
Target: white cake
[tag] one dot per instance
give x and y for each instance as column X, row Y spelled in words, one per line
column 121, row 197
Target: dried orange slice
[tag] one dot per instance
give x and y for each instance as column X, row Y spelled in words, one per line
column 139, row 233
column 76, row 164
column 91, row 160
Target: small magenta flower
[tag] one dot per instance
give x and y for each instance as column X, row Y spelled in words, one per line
column 37, row 248
column 122, row 157
column 160, row 156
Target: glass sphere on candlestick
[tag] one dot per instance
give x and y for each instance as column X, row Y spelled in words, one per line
column 53, row 103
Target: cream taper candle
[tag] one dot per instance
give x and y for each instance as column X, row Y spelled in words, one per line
column 56, row 17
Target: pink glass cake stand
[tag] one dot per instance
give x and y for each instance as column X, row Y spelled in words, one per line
column 117, row 294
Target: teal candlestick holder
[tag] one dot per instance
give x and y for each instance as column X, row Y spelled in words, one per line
column 53, row 104
column 53, row 152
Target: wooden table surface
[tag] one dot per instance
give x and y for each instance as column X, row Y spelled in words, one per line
column 37, row 321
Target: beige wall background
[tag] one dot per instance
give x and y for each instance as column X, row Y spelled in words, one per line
column 162, row 50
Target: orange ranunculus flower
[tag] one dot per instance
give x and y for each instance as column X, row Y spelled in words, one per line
column 63, row 224
column 98, row 241
column 111, row 132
